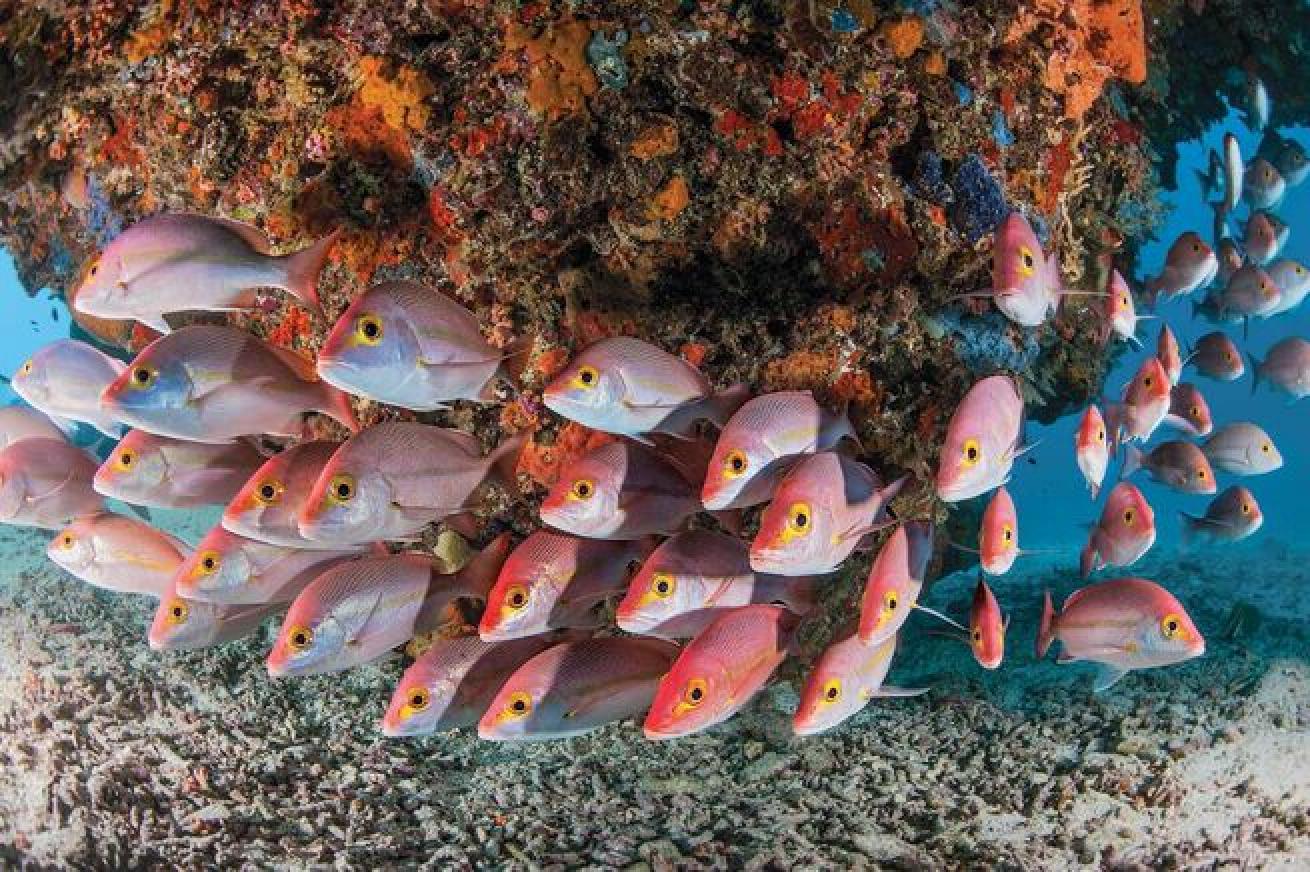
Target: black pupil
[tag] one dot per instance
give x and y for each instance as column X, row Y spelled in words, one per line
column 343, row 491
column 177, row 611
column 1028, row 260
column 371, row 329
column 587, row 377
column 696, row 694
column 1008, row 535
column 832, row 693
column 142, row 376
column 1173, row 626
column 516, row 599
column 266, row 491
column 416, row 700
column 583, row 490
column 299, row 638
column 127, row 460
column 209, row 563
column 891, row 603
column 738, row 463
column 802, row 520
column 662, row 587
column 977, row 635
column 519, row 705
column 95, row 269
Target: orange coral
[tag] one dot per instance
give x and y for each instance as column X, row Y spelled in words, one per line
column 658, row 140
column 296, row 322
column 903, row 35
column 671, row 199
column 559, row 78
column 543, row 463
column 399, row 95
column 150, row 39
column 801, row 370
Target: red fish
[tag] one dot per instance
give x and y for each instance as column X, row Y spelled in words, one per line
column 1262, row 243
column 229, row 569
column 149, row 470
column 1167, row 352
column 1145, row 404
column 1231, row 517
column 1091, row 449
column 895, row 580
column 986, row 627
column 181, row 624
column 1189, row 265
column 1121, row 318
column 1286, row 367
column 998, row 536
column 1216, row 356
column 1180, row 465
column 1124, row 533
column 118, row 553
column 844, row 679
column 268, row 506
column 46, row 483
column 1026, row 283
column 1188, row 410
column 982, row 440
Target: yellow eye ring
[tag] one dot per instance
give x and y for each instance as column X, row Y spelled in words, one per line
column 1100, row 435
column 735, row 464
column 66, row 541
column 178, row 611
column 1246, row 508
column 368, row 329
column 1266, row 448
column 418, row 699
column 299, row 638
column 1194, row 411
column 341, row 489
column 1027, row 262
column 832, row 690
column 518, row 706
column 971, row 453
column 124, row 460
column 516, row 597
column 268, row 492
column 208, row 563
column 1200, row 473
column 694, row 693
column 890, row 601
column 662, row 585
column 799, row 519
column 143, row 377
column 1007, row 533
column 1129, row 516
column 1171, row 627
column 587, row 378
column 94, row 268
column 582, row 489
column 27, row 368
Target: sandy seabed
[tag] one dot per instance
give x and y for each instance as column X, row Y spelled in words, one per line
column 112, row 755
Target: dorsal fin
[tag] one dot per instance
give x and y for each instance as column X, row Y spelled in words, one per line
column 253, row 236
column 302, row 366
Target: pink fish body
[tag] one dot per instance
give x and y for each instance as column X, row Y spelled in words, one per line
column 20, row 422
column 629, row 387
column 822, row 510
column 409, row 345
column 1234, row 170
column 1293, row 282
column 229, row 569
column 998, row 536
column 1121, row 309
column 65, row 379
column 576, row 687
column 1124, row 533
column 982, row 440
column 986, row 627
column 1262, row 242
column 1189, row 266
column 844, row 679
column 185, row 262
column 1145, row 403
column 762, row 441
column 619, row 491
column 895, row 580
column 1122, row 624
column 1025, row 283
column 1242, row 448
column 268, row 506
column 720, row 671
column 118, row 553
column 1167, row 352
column 393, row 479
column 181, row 624
column 1180, row 465
column 46, row 483
column 1230, row 517
column 215, row 384
column 1230, row 260
column 149, row 470
column 1250, row 293
column 1091, row 448
column 1216, row 356
column 693, row 578
column 1286, row 367
column 1263, row 185
column 1188, row 410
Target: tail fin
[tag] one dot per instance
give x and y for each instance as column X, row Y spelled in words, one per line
column 479, row 574
column 1046, row 629
column 303, row 268
column 1132, row 461
column 720, row 407
column 503, row 462
column 1087, row 559
column 799, row 595
column 336, row 405
column 1255, row 372
column 1190, row 524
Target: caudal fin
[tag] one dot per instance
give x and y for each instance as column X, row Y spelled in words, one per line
column 336, row 405
column 720, row 407
column 303, row 268
column 1255, row 372
column 479, row 574
column 799, row 595
column 1190, row 524
column 1087, row 560
column 1046, row 629
column 1132, row 461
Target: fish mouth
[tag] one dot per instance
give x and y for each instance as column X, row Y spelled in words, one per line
column 659, row 733
column 277, row 664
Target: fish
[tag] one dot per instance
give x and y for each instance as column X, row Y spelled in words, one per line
column 1212, row 176
column 720, row 671
column 1166, row 350
column 895, row 580
column 1291, row 163
column 629, row 387
column 847, row 675
column 1293, row 283
column 181, row 624
column 762, row 441
column 1188, row 410
column 1124, row 533
column 20, row 422
column 117, row 553
column 1091, row 448
column 1121, row 625
column 393, row 479
column 453, row 683
column 1230, row 260
column 1189, row 265
column 1026, row 284
column 553, row 581
column 1286, row 367
column 1145, row 404
column 1215, row 356
column 822, row 510
column 65, row 380
column 1178, row 464
column 1230, row 517
column 982, row 440
column 1242, row 448
column 216, row 384
column 998, row 534
column 620, row 490
column 987, row 627
column 1257, row 103
column 46, row 483
column 1265, row 237
column 1234, row 170
column 356, row 612
column 158, row 471
column 229, row 569
column 267, row 508
column 409, row 345
column 1263, row 185
column 1121, row 311
column 1250, row 293
column 184, row 262
column 576, row 687
column 693, row 578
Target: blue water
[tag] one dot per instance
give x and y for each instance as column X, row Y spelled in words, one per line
column 27, row 323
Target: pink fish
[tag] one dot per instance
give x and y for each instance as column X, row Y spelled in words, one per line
column 215, row 384
column 720, row 671
column 1026, row 284
column 1234, row 170
column 1124, row 533
column 1180, row 465
column 46, row 483
column 1121, row 310
column 268, row 506
column 232, row 570
column 982, row 440
column 693, row 578
column 1121, row 625
column 1230, row 517
column 762, row 441
column 185, row 263
column 576, row 687
column 1262, row 242
column 1242, row 448
column 822, row 510
column 844, row 679
column 986, row 627
column 1285, row 367
column 20, row 422
column 619, row 491
column 1263, row 185
column 1250, row 293
column 998, row 535
column 409, row 345
column 1230, row 260
column 1293, row 281
column 553, row 581
column 1216, row 356
column 895, row 580
column 358, row 611
column 1167, row 352
column 1188, row 410
column 454, row 681
column 1091, row 449
column 395, row 478
column 1145, row 404
column 65, row 379
column 149, row 470
column 181, row 624
column 629, row 387
column 117, row 553
column 1189, row 265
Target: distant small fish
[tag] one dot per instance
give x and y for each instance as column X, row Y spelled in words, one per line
column 181, row 624
column 1263, row 185
column 1216, row 356
column 20, row 422
column 1189, row 265
column 576, row 687
column 1230, row 517
column 1092, row 449
column 1145, row 404
column 118, row 553
column 229, row 569
column 1265, row 237
column 1121, row 310
column 998, row 534
column 1121, row 625
column 846, row 677
column 762, row 441
column 268, row 506
column 1250, row 293
column 1234, row 169
column 1293, row 281
column 65, row 379
column 1230, row 260
column 982, row 440
column 1286, row 367
column 1257, row 103
column 46, row 483
column 1242, row 448
column 631, row 388
column 1124, row 533
column 149, row 470
column 1180, row 465
column 1167, row 352
column 1188, row 410
column 720, row 671
column 987, row 627
column 1292, row 163
column 895, row 580
column 1212, row 177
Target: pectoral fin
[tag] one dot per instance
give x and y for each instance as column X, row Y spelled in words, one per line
column 1106, row 677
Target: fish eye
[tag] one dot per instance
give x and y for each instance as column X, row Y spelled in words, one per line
column 519, row 705
column 582, row 489
column 798, row 518
column 587, row 377
column 516, row 597
column 1171, row 626
column 734, row 464
column 416, row 701
column 1194, row 411
column 300, row 638
column 178, row 611
column 977, row 635
column 26, row 368
column 1196, row 248
column 1246, row 508
column 341, row 489
column 1269, row 174
column 1228, row 356
column 1026, row 260
column 1123, row 301
column 694, row 693
column 66, row 541
column 1266, row 448
column 368, row 329
column 268, row 492
column 143, row 377
column 891, row 600
column 1008, row 533
column 662, row 584
column 1100, row 435
column 971, row 452
column 1298, row 269
column 1148, row 381
column 1200, row 474
column 832, row 690
column 124, row 460
column 1129, row 516
column 95, row 268
column 209, row 563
